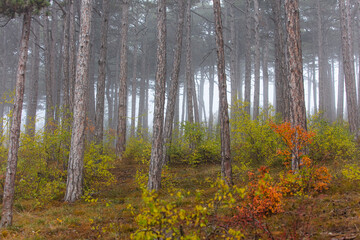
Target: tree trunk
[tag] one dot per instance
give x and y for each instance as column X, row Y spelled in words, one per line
column 9, row 185
column 174, row 84
column 297, row 98
column 282, row 87
column 134, row 83
column 248, row 57
column 141, row 111
column 265, row 57
column 189, row 75
column 100, row 90
column 122, row 113
column 226, row 171
column 66, row 66
column 257, row 61
column 233, row 56
column 72, row 57
column 50, row 51
column 155, row 167
column 74, row 182
column 348, row 66
column 33, row 94
column 211, row 98
column 340, row 103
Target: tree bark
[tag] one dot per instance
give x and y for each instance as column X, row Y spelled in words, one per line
column 170, row 109
column 9, row 185
column 33, row 94
column 348, row 66
column 226, row 171
column 257, row 61
column 100, row 90
column 340, row 103
column 248, row 57
column 134, row 83
column 233, row 56
column 189, row 75
column 265, row 70
column 74, row 182
column 155, row 167
column 296, row 82
column 122, row 113
column 72, row 57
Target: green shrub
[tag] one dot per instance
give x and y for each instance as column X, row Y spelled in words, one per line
column 138, row 149
column 253, row 141
column 332, row 142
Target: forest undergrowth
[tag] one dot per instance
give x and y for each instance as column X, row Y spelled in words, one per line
column 267, row 201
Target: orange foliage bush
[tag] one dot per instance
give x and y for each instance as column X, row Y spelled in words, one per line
column 310, row 176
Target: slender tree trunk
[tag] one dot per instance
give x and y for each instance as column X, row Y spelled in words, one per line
column 314, row 85
column 297, row 100
column 321, row 60
column 265, row 77
column 189, row 75
column 340, row 103
column 155, row 167
column 211, row 98
column 9, row 185
column 49, row 110
column 134, row 84
column 348, row 66
column 174, row 84
column 100, row 90
column 282, row 88
column 74, row 182
column 66, row 66
column 122, row 114
column 248, row 57
column 226, row 171
column 33, row 95
column 233, row 56
column 195, row 100
column 72, row 57
column 257, row 61
column 141, row 111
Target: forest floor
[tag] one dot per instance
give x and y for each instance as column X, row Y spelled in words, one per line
column 333, row 214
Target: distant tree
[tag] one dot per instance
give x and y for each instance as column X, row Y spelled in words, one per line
column 74, row 182
column 100, row 93
column 10, row 8
column 257, row 60
column 155, row 167
column 248, row 56
column 226, row 170
column 170, row 109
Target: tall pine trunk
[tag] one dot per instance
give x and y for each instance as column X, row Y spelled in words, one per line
column 100, row 90
column 174, row 84
column 295, row 66
column 9, row 185
column 226, row 171
column 257, row 61
column 122, row 112
column 74, row 182
column 155, row 167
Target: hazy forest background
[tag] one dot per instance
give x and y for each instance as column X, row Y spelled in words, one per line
column 180, row 119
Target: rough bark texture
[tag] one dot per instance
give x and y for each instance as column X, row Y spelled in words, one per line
column 296, row 82
column 134, row 83
column 248, row 56
column 72, row 57
column 66, row 66
column 226, row 171
column 189, row 75
column 33, row 94
column 348, row 66
column 100, row 91
column 122, row 112
column 155, row 167
column 282, row 88
column 9, row 185
column 265, row 56
column 74, row 182
column 257, row 61
column 233, row 52
column 174, row 84
column 340, row 103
